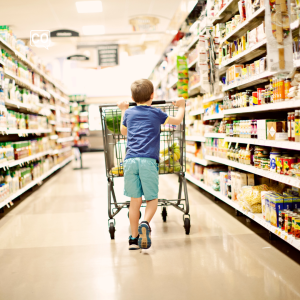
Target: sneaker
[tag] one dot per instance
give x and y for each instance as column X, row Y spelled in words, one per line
column 144, row 235
column 133, row 243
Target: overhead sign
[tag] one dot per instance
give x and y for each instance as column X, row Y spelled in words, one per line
column 108, row 55
column 79, row 57
column 64, row 33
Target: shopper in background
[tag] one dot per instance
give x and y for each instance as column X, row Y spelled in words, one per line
column 142, row 125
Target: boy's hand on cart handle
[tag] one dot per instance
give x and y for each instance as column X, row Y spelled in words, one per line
column 123, row 105
column 179, row 103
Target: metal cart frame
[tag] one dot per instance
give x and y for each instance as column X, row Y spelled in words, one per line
column 112, row 139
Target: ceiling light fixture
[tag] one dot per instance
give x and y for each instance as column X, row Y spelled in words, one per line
column 84, row 7
column 93, row 29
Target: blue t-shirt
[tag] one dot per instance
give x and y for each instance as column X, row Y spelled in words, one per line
column 143, row 131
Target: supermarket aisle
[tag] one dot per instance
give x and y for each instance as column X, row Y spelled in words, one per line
column 55, row 245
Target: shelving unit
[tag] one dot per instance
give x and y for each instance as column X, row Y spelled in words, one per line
column 267, row 143
column 265, row 107
column 214, row 116
column 197, row 160
column 255, row 52
column 195, row 138
column 214, row 135
column 256, row 217
column 192, row 64
column 197, row 112
column 34, row 182
column 248, row 168
column 52, row 99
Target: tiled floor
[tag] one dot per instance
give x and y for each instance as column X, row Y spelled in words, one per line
column 55, row 245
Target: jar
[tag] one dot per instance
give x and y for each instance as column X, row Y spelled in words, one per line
column 257, row 164
column 265, row 163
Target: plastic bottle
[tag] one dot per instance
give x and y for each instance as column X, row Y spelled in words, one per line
column 9, row 181
column 297, row 124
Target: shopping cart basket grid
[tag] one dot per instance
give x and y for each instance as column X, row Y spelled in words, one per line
column 172, row 160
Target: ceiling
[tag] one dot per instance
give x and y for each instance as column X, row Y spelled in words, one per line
column 27, row 15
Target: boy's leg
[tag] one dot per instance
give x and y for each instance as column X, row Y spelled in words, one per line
column 134, row 215
column 150, row 210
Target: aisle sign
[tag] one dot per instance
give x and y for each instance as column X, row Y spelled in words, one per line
column 108, row 55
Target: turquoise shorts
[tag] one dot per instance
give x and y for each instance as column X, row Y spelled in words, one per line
column 141, row 178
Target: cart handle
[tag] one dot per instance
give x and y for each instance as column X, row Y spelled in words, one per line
column 156, row 102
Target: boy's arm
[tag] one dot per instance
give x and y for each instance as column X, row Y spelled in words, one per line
column 180, row 114
column 123, row 105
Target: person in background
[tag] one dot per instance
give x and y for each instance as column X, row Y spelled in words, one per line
column 142, row 124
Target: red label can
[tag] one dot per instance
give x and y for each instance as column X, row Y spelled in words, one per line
column 259, row 91
column 287, row 164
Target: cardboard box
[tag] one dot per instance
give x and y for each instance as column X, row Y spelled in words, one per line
column 261, row 129
column 277, row 131
column 250, row 179
column 288, row 201
column 275, row 205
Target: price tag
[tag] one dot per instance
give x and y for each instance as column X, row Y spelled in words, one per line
column 276, row 231
column 279, row 233
column 236, row 145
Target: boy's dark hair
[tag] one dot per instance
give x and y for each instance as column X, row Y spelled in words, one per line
column 142, row 90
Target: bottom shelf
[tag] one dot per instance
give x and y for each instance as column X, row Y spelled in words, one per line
column 256, row 217
column 35, row 182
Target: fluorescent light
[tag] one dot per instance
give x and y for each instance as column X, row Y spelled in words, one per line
column 84, row 7
column 93, row 29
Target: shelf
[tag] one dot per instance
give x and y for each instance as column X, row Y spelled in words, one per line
column 253, row 80
column 52, row 122
column 245, row 56
column 52, row 107
column 197, row 160
column 227, row 12
column 28, row 158
column 60, row 151
column 265, row 107
column 191, row 65
column 271, row 175
column 195, row 138
column 22, row 58
column 53, row 137
column 66, row 139
column 23, row 132
column 196, row 112
column 35, row 182
column 254, row 21
column 267, row 143
column 214, row 98
column 256, row 217
column 24, row 83
column 195, row 89
column 192, row 44
column 62, row 129
column 214, row 116
column 214, row 135
column 172, row 84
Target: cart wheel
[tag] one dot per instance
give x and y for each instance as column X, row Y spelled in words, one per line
column 112, row 230
column 140, row 215
column 187, row 225
column 164, row 214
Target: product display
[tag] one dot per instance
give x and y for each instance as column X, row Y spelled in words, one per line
column 242, row 58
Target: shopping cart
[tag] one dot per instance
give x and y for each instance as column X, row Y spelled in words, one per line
column 172, row 160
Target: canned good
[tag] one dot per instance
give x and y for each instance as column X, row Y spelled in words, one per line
column 265, row 163
column 287, row 164
column 295, row 215
column 282, row 219
column 254, row 98
column 288, row 222
column 259, row 92
column 279, row 164
column 273, row 156
column 297, row 228
column 257, row 164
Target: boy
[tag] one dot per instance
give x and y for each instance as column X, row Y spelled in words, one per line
column 142, row 125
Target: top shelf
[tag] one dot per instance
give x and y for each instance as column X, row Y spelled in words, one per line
column 227, row 12
column 23, row 59
column 254, row 21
